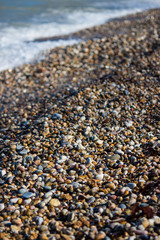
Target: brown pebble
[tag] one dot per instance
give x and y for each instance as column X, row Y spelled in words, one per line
column 101, row 235
column 54, row 202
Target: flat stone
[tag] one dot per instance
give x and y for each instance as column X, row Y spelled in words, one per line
column 28, row 195
column 24, row 152
column 115, row 157
column 22, row 190
column 131, row 185
column 48, row 194
column 13, row 200
column 54, row 202
column 57, row 116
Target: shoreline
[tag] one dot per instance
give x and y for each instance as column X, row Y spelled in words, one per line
column 79, row 138
column 96, row 31
column 118, row 27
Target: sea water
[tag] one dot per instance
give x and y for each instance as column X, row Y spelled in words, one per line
column 23, row 21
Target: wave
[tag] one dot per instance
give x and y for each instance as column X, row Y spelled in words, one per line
column 15, row 50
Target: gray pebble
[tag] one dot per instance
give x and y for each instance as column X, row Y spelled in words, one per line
column 131, row 185
column 48, row 194
column 22, row 190
column 57, row 116
column 13, row 200
column 24, row 152
column 28, row 195
column 91, row 200
column 75, row 185
column 29, row 158
column 39, row 220
column 19, row 147
column 123, row 206
column 114, row 157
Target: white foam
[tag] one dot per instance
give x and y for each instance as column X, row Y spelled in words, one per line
column 17, row 54
column 15, row 50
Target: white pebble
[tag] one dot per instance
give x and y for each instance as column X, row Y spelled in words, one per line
column 1, row 206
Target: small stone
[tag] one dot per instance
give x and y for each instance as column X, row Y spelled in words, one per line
column 54, row 202
column 39, row 220
column 43, row 236
column 145, row 223
column 15, row 229
column 99, row 142
column 29, row 158
column 129, row 123
column 22, row 190
column 48, row 194
column 67, row 237
column 131, row 185
column 87, row 130
column 28, row 195
column 19, row 147
column 91, row 200
column 114, row 157
column 101, row 235
column 57, row 116
column 1, row 206
column 71, row 216
column 75, row 185
column 27, row 201
column 119, row 152
column 122, row 206
column 13, row 200
column 132, row 201
column 111, row 185
column 63, row 158
column 99, row 176
column 17, row 221
column 157, row 220
column 24, row 152
column 2, row 173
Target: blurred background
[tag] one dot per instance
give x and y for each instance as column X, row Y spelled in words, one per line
column 22, row 21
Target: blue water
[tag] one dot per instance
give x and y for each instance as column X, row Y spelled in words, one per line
column 22, row 21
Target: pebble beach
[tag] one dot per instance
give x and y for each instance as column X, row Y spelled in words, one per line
column 79, row 137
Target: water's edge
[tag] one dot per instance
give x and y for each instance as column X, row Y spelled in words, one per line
column 75, row 37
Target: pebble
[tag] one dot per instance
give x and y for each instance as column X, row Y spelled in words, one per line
column 114, row 157
column 131, row 185
column 24, row 152
column 28, row 195
column 91, row 200
column 71, row 216
column 101, row 235
column 15, row 229
column 54, row 202
column 79, row 148
column 48, row 194
column 22, row 190
column 39, row 220
column 1, row 206
column 19, row 147
column 129, row 123
column 13, row 200
column 57, row 116
column 2, row 173
column 100, row 175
